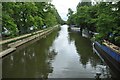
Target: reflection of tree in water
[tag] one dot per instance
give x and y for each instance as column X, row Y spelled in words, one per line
column 84, row 48
column 31, row 61
column 51, row 54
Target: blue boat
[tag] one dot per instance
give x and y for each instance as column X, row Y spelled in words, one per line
column 110, row 57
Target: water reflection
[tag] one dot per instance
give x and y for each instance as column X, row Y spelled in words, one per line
column 84, row 49
column 63, row 54
column 33, row 61
column 87, row 57
column 75, row 58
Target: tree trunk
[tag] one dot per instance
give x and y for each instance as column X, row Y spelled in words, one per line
column 81, row 29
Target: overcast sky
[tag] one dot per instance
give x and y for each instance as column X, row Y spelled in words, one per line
column 63, row 5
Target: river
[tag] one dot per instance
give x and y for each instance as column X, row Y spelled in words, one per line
column 62, row 54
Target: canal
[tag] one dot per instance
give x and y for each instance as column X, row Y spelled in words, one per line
column 62, row 54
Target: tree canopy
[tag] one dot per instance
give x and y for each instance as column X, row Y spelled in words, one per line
column 19, row 17
column 102, row 18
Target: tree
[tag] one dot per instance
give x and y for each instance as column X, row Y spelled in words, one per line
column 82, row 17
column 19, row 17
column 102, row 18
column 9, row 25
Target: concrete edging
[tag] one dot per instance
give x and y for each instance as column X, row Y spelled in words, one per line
column 18, row 43
column 5, row 52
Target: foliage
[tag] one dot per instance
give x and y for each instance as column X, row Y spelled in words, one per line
column 102, row 18
column 9, row 24
column 19, row 17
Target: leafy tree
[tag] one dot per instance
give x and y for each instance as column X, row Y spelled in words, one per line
column 102, row 18
column 82, row 17
column 50, row 20
column 19, row 17
column 9, row 24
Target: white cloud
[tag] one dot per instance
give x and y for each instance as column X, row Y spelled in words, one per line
column 63, row 5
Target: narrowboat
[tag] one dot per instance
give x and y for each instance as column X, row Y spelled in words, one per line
column 110, row 57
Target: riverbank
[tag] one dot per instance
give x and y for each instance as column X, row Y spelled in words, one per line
column 18, row 41
column 23, row 36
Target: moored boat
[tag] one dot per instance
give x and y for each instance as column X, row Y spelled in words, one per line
column 110, row 57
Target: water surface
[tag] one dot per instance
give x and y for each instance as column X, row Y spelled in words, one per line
column 62, row 54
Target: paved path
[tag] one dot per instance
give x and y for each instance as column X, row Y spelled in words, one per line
column 23, row 36
column 7, row 52
column 17, row 43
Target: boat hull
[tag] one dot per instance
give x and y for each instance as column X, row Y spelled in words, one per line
column 109, row 58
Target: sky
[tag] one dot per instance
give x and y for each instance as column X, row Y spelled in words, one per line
column 63, row 5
